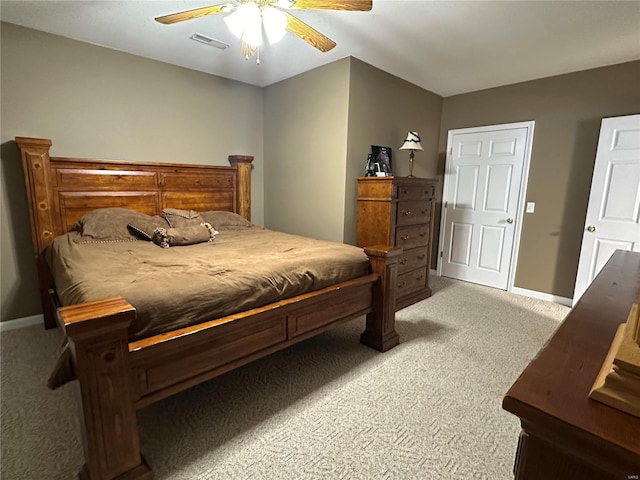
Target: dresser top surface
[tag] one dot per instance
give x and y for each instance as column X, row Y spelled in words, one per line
column 554, row 388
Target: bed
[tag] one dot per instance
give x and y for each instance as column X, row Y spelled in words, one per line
column 121, row 365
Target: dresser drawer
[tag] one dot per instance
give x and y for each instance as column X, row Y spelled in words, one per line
column 415, row 192
column 411, row 281
column 413, row 235
column 412, row 259
column 412, row 212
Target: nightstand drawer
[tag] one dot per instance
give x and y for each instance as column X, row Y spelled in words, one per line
column 410, row 236
column 412, row 212
column 415, row 192
column 412, row 259
column 411, row 281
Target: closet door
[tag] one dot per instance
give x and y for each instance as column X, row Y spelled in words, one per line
column 483, row 181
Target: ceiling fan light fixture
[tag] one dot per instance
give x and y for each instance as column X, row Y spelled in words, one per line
column 248, row 18
column 246, row 23
column 275, row 23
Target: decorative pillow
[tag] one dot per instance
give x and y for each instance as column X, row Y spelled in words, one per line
column 223, row 219
column 144, row 229
column 109, row 225
column 181, row 218
column 189, row 235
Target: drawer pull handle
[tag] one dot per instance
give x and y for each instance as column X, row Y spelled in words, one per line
column 419, row 277
column 423, row 234
column 402, row 285
column 403, row 261
column 404, row 237
column 420, row 257
column 406, row 212
column 425, row 211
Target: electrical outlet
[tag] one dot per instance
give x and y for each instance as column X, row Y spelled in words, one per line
column 531, row 207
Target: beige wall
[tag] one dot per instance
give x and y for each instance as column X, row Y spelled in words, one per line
column 567, row 111
column 382, row 109
column 333, row 114
column 99, row 103
column 305, row 144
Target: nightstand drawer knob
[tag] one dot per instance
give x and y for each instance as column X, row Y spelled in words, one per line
column 403, row 261
column 406, row 212
column 404, row 237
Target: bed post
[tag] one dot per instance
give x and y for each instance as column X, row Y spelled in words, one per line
column 380, row 332
column 98, row 332
column 36, row 165
column 242, row 163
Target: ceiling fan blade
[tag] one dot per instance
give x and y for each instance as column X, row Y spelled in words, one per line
column 353, row 5
column 309, row 34
column 195, row 13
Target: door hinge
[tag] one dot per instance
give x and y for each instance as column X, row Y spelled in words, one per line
column 446, row 204
column 441, row 252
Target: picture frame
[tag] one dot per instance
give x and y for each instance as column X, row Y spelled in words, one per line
column 382, row 160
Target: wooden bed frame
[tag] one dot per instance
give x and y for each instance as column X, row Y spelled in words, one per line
column 116, row 377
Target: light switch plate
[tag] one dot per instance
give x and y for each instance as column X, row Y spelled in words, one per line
column 531, row 207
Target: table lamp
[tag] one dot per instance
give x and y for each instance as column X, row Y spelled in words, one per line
column 412, row 143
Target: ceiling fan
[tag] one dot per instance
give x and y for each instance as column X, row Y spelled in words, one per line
column 247, row 19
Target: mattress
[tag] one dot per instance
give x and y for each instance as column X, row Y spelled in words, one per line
column 171, row 288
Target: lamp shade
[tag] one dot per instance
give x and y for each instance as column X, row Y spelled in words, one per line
column 412, row 142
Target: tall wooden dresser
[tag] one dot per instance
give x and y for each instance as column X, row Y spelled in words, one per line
column 399, row 211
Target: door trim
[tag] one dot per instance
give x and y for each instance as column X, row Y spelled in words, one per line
column 529, row 125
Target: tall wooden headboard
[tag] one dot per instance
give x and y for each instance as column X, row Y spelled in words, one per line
column 61, row 190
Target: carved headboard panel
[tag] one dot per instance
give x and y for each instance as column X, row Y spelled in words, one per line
column 61, row 190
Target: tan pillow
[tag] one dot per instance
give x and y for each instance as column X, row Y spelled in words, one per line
column 189, row 235
column 110, row 225
column 221, row 219
column 181, row 218
column 144, row 229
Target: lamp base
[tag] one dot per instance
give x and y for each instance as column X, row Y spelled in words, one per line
column 411, row 175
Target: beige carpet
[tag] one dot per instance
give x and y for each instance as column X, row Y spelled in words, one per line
column 328, row 408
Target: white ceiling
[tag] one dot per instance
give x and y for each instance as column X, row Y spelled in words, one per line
column 447, row 47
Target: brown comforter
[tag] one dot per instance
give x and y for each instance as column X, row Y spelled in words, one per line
column 179, row 286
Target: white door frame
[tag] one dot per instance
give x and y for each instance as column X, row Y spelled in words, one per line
column 529, row 125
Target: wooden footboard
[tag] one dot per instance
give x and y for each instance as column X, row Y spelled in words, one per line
column 115, row 377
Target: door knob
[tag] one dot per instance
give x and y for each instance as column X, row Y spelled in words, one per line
column 591, row 228
column 509, row 220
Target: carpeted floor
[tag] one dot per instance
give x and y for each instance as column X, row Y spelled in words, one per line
column 328, row 408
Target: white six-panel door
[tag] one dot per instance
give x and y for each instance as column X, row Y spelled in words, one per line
column 483, row 179
column 613, row 212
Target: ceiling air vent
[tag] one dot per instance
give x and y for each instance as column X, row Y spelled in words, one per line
column 198, row 37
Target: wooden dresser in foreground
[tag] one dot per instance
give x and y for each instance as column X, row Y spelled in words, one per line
column 565, row 434
column 399, row 211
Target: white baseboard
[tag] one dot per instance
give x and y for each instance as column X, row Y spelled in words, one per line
column 21, row 323
column 543, row 296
